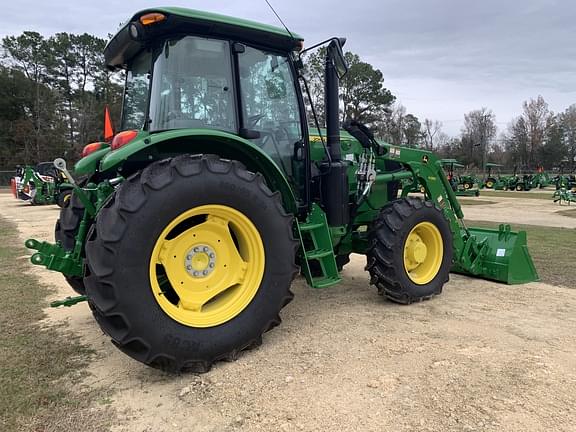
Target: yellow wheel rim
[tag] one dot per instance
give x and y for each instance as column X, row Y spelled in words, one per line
column 466, row 186
column 67, row 198
column 207, row 265
column 489, row 184
column 423, row 253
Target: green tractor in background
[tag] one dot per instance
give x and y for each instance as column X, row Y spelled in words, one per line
column 41, row 184
column 462, row 185
column 492, row 180
column 565, row 181
column 541, row 179
column 194, row 220
column 519, row 182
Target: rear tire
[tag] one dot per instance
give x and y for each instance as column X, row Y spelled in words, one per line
column 389, row 239
column 125, row 237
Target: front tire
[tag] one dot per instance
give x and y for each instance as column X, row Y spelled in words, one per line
column 410, row 253
column 155, row 259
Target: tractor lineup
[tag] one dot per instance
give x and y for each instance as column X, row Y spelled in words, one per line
column 185, row 229
column 515, row 182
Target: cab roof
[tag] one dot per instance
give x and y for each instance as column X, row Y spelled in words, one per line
column 122, row 47
column 453, row 162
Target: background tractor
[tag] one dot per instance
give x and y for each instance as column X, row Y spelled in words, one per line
column 519, row 182
column 494, row 180
column 565, row 181
column 462, row 185
column 41, row 184
column 196, row 217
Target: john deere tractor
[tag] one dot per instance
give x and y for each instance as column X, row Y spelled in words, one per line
column 462, row 185
column 41, row 184
column 197, row 215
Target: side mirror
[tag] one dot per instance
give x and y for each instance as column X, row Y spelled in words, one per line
column 337, row 55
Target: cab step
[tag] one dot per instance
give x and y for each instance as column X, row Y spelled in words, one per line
column 318, row 261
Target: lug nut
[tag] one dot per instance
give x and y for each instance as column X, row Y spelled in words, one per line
column 196, row 249
column 205, row 272
column 188, row 257
column 205, row 249
column 196, row 273
column 212, row 255
column 211, row 265
column 189, row 267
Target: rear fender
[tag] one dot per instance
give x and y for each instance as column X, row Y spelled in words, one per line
column 88, row 165
column 157, row 146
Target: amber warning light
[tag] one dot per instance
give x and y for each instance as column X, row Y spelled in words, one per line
column 152, row 18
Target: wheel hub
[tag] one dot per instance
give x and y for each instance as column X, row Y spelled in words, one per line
column 200, row 261
column 423, row 252
column 417, row 250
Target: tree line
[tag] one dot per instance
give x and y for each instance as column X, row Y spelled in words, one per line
column 52, row 96
column 53, row 92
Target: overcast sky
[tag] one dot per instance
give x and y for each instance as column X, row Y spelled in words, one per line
column 441, row 58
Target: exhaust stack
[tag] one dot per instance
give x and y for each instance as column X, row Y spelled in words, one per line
column 335, row 189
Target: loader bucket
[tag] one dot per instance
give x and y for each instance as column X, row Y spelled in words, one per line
column 501, row 255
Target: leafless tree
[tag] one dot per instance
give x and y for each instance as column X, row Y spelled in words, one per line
column 431, row 129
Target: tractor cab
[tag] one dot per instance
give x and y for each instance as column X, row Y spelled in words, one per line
column 196, row 75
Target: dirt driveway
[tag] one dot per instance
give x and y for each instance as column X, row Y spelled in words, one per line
column 528, row 211
column 480, row 357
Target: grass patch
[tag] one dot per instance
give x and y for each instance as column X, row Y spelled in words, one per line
column 474, row 201
column 513, row 194
column 40, row 366
column 567, row 213
column 552, row 250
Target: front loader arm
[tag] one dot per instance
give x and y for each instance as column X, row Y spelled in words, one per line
column 425, row 169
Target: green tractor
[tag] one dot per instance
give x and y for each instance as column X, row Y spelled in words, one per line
column 192, row 223
column 41, row 184
column 493, row 181
column 462, row 185
column 519, row 182
column 565, row 181
column 541, row 179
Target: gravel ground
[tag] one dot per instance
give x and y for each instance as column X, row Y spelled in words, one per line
column 480, row 357
column 521, row 211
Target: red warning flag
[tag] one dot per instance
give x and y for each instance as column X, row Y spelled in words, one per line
column 108, row 128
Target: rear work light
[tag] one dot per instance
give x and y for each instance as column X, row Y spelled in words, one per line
column 91, row 148
column 123, row 138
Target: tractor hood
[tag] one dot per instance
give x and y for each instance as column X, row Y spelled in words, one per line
column 133, row 36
